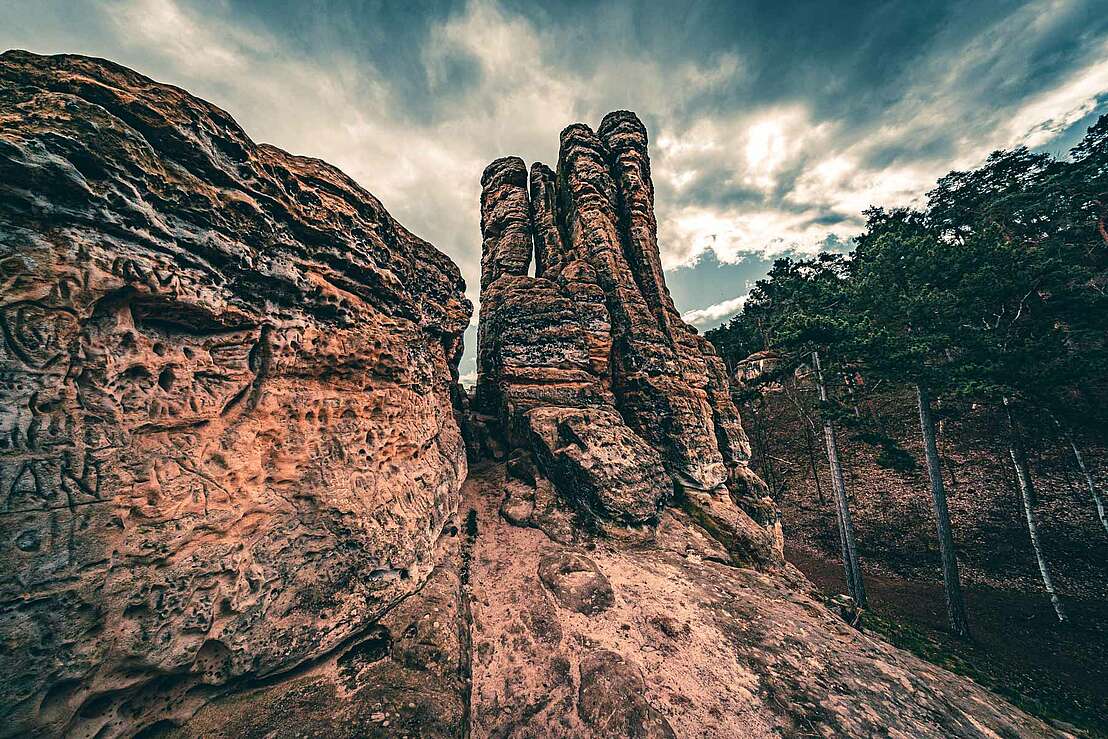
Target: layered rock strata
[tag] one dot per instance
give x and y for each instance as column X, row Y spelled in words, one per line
column 588, row 363
column 227, row 442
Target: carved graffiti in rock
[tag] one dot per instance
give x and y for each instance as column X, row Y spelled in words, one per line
column 226, row 436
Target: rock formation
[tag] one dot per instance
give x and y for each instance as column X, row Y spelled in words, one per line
column 626, row 576
column 589, row 365
column 226, row 436
column 231, row 463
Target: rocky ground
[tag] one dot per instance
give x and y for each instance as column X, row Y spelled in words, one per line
column 651, row 637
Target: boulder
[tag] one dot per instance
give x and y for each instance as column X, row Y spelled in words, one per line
column 597, row 462
column 225, row 402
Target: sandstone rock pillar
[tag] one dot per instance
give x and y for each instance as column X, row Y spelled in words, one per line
column 624, row 135
column 505, row 220
column 649, row 378
column 588, row 365
column 549, row 248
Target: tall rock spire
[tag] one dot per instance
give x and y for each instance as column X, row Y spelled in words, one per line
column 588, row 365
column 659, row 395
column 505, row 220
column 625, row 137
column 549, row 248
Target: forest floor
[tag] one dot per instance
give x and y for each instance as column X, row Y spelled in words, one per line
column 1018, row 649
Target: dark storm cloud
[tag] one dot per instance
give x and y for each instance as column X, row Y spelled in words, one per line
column 391, row 37
column 773, row 123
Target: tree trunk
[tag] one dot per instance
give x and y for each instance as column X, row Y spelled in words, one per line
column 851, row 566
column 940, row 435
column 1089, row 482
column 809, row 433
column 955, row 604
column 815, row 468
column 1092, row 485
column 1027, row 496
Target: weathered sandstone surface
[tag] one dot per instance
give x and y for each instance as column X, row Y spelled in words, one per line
column 605, row 637
column 589, row 365
column 226, row 432
column 233, row 476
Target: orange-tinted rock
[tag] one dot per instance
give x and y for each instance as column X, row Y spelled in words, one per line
column 225, row 400
column 611, row 699
column 624, row 136
column 505, row 220
column 598, row 463
column 598, row 330
column 549, row 247
column 608, row 636
column 532, row 350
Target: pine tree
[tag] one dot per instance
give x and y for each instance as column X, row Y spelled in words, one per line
column 902, row 314
column 997, row 295
column 1029, row 234
column 791, row 312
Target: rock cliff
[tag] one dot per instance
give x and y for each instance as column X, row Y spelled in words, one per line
column 226, row 431
column 233, row 473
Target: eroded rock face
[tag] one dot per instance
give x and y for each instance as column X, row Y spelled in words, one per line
column 588, row 364
column 599, row 463
column 575, row 582
column 611, row 701
column 604, row 638
column 405, row 676
column 226, row 432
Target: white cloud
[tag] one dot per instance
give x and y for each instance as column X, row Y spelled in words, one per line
column 1045, row 116
column 715, row 313
column 767, row 147
column 341, row 109
column 735, row 233
column 838, row 186
column 185, row 40
column 736, row 153
column 945, row 117
column 736, row 176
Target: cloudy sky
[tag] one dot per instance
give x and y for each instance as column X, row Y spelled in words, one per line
column 773, row 123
